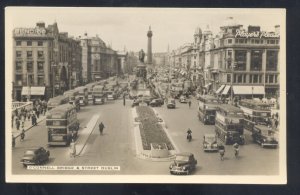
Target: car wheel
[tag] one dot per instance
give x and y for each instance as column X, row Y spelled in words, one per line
column 188, row 172
column 24, row 165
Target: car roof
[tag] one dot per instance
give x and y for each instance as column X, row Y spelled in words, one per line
column 185, row 154
column 34, row 148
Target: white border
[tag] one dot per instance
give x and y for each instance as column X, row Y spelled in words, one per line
column 277, row 179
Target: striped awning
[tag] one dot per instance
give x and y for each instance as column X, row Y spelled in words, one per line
column 220, row 89
column 226, row 89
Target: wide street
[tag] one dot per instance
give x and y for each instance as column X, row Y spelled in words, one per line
column 117, row 146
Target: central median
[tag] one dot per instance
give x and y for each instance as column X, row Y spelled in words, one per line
column 153, row 141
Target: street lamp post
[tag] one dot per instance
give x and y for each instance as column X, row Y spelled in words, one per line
column 29, row 88
column 53, row 79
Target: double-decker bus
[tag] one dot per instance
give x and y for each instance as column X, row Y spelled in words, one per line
column 255, row 112
column 73, row 98
column 207, row 109
column 98, row 94
column 90, row 87
column 56, row 101
column 229, row 124
column 83, row 95
column 62, row 125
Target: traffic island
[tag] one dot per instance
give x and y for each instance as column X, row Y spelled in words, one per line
column 152, row 140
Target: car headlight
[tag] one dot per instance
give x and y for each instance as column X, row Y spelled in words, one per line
column 171, row 166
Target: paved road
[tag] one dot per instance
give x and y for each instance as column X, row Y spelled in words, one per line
column 117, row 146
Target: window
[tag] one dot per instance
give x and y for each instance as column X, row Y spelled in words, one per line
column 272, row 60
column 30, row 79
column 261, row 41
column 18, row 43
column 229, row 41
column 18, row 66
column 275, row 78
column 260, row 79
column 40, row 54
column 240, row 59
column 29, row 43
column 244, row 76
column 255, row 78
column 257, row 41
column 40, row 66
column 18, row 54
column 19, row 79
column 40, row 80
column 277, row 42
column 271, row 78
column 234, row 78
column 250, row 78
column 29, row 54
column 228, row 78
column 252, row 41
column 256, row 60
column 240, row 78
column 30, row 66
column 40, row 43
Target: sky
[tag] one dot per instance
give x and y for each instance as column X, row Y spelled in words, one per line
column 127, row 27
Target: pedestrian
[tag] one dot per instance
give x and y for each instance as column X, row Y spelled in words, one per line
column 35, row 120
column 276, row 115
column 32, row 120
column 13, row 141
column 124, row 100
column 37, row 113
column 17, row 123
column 276, row 123
column 72, row 148
column 101, row 128
column 22, row 135
column 190, row 103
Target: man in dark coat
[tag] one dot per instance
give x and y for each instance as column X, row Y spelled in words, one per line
column 101, row 128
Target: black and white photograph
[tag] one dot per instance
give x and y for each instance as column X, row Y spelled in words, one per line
column 145, row 95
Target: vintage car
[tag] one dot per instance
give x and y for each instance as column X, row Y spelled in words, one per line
column 136, row 102
column 35, row 156
column 184, row 163
column 171, row 103
column 210, row 142
column 156, row 102
column 264, row 136
column 183, row 99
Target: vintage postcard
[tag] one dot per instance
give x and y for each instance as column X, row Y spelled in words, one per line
column 145, row 95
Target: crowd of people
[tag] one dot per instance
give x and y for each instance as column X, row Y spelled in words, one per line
column 20, row 115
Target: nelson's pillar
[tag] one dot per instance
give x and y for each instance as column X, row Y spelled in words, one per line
column 149, row 51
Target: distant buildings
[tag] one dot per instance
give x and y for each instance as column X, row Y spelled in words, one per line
column 233, row 58
column 47, row 62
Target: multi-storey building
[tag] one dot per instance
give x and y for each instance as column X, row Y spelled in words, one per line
column 42, row 61
column 98, row 60
column 245, row 61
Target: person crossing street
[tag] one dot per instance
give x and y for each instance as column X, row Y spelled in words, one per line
column 101, row 128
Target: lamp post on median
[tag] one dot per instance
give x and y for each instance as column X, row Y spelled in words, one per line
column 53, row 79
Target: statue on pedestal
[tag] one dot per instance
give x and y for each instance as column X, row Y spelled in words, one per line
column 141, row 56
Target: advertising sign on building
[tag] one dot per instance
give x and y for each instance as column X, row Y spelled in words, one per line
column 29, row 32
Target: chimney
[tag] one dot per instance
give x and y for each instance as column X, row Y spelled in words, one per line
column 40, row 24
column 253, row 28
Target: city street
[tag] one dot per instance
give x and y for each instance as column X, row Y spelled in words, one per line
column 116, row 147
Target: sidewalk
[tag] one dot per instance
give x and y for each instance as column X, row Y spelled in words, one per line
column 27, row 126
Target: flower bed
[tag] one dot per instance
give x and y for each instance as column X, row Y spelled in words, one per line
column 151, row 130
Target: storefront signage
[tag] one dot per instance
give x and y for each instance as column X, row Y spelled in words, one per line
column 257, row 34
column 29, row 32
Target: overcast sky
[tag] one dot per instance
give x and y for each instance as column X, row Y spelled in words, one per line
column 127, row 27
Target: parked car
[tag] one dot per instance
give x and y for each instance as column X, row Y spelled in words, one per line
column 183, row 99
column 210, row 142
column 265, row 136
column 171, row 103
column 136, row 102
column 35, row 156
column 184, row 163
column 156, row 102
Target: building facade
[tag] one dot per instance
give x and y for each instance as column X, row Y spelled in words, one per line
column 234, row 62
column 99, row 60
column 43, row 62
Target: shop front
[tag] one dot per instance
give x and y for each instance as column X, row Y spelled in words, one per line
column 33, row 93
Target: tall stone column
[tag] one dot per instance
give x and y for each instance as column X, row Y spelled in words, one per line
column 149, row 51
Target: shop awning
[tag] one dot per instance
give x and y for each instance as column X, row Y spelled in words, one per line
column 33, row 91
column 248, row 90
column 226, row 89
column 220, row 89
